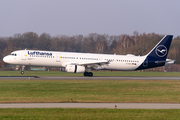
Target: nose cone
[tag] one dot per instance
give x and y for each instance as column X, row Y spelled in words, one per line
column 5, row 59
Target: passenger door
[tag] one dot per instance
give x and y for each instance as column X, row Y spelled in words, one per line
column 145, row 64
column 58, row 57
column 23, row 55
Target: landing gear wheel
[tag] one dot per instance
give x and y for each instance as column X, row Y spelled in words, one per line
column 22, row 72
column 90, row 74
column 85, row 73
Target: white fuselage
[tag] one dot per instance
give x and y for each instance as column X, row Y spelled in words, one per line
column 61, row 59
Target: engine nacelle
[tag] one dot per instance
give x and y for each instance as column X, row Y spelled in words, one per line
column 75, row 69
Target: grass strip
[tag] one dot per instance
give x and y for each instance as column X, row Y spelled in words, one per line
column 96, row 91
column 89, row 114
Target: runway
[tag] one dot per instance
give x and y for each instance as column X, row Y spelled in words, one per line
column 84, row 78
column 93, row 105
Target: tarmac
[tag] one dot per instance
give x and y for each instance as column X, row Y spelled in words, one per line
column 93, row 105
column 84, row 78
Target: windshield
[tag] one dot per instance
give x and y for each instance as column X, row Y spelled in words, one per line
column 13, row 54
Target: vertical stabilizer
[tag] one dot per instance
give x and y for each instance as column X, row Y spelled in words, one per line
column 157, row 56
column 160, row 51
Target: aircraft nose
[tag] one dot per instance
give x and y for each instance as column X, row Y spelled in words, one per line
column 5, row 59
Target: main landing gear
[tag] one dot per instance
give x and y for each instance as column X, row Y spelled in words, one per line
column 90, row 74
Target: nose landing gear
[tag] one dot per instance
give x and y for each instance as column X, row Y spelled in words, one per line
column 22, row 69
column 22, row 72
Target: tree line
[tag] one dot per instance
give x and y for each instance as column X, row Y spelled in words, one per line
column 137, row 44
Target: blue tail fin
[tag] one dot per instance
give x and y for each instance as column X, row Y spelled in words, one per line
column 157, row 56
column 160, row 51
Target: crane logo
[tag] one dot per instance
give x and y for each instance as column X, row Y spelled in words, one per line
column 161, row 51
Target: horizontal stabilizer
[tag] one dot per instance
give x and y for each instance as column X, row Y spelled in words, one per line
column 167, row 62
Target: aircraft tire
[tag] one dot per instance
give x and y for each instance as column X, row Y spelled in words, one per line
column 90, row 74
column 86, row 73
column 22, row 72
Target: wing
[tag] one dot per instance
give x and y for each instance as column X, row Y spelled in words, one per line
column 91, row 64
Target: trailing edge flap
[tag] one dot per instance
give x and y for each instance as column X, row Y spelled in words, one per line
column 91, row 64
column 94, row 63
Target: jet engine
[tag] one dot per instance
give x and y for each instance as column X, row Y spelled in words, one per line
column 75, row 69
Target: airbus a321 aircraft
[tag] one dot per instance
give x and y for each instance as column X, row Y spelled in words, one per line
column 84, row 62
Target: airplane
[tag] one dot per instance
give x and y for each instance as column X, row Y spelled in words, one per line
column 74, row 62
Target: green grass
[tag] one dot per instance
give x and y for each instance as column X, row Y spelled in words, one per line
column 96, row 73
column 89, row 114
column 147, row 91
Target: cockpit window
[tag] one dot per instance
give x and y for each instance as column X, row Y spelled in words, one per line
column 13, row 54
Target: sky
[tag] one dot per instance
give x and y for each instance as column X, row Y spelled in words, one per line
column 74, row 17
